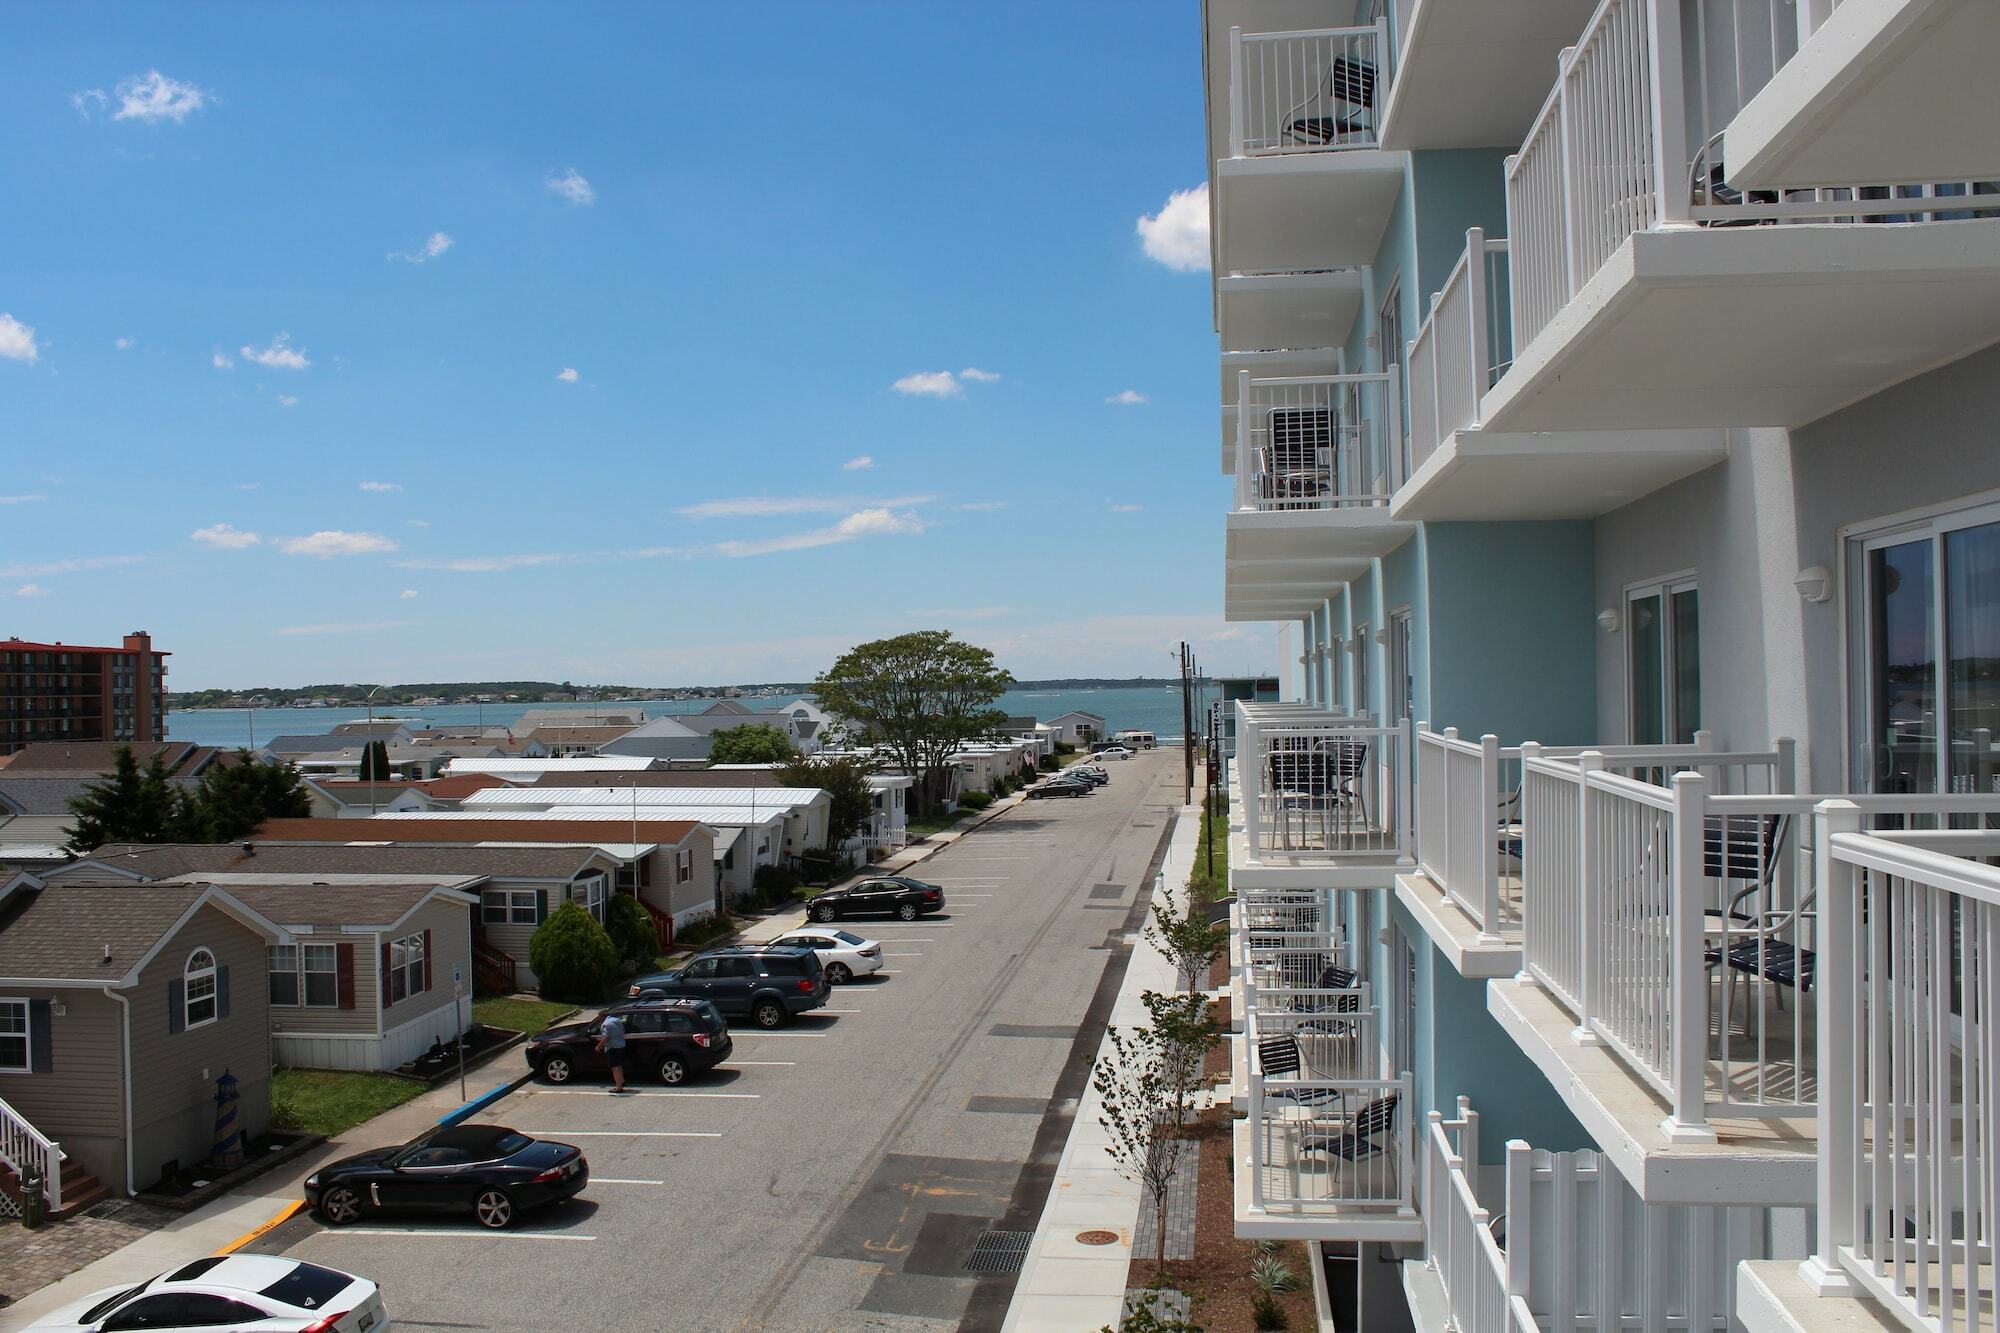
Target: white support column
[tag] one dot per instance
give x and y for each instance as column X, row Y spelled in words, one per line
column 1476, row 302
column 1243, row 486
column 1687, row 992
column 1236, row 94
column 1589, row 918
column 1489, row 853
column 1838, row 1034
column 1669, row 112
column 1520, row 1252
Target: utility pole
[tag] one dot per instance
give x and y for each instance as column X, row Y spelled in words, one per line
column 1187, row 723
column 1209, row 772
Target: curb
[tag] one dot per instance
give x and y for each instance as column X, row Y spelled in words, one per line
column 484, row 1100
column 286, row 1214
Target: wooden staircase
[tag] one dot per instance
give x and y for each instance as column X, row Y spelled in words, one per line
column 493, row 969
column 80, row 1189
column 663, row 925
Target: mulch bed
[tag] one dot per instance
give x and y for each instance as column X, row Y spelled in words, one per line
column 1218, row 1277
column 261, row 1154
column 481, row 1044
column 1218, row 973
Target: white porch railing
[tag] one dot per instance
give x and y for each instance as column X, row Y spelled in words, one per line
column 1465, row 344
column 1620, row 146
column 1322, row 789
column 1315, row 441
column 1468, row 812
column 1314, row 91
column 1909, row 1145
column 24, row 1148
column 1322, row 1145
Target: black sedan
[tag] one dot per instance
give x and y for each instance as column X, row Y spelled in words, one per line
column 490, row 1171
column 1050, row 790
column 879, row 897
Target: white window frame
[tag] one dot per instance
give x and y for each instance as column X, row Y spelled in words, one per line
column 1363, row 643
column 590, row 894
column 516, row 907
column 299, row 972
column 190, row 974
column 1664, row 587
column 406, row 967
column 684, row 865
column 276, row 967
column 26, row 1035
column 1402, row 665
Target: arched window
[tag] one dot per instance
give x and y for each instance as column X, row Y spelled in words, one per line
column 198, row 988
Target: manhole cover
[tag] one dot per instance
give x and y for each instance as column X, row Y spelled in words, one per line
column 1097, row 1237
column 999, row 1252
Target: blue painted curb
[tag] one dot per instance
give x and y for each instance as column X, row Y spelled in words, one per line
column 483, row 1100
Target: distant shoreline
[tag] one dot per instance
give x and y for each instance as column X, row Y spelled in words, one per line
column 440, row 695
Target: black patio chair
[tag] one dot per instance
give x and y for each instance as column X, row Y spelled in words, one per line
column 1346, row 83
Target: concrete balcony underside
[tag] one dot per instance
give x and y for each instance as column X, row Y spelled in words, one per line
column 1263, row 311
column 1490, row 475
column 1868, row 98
column 1454, row 933
column 1754, row 326
column 1285, row 562
column 1771, row 1161
column 1297, row 211
column 1310, row 869
column 1472, row 73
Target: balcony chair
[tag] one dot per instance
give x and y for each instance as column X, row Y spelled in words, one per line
column 1295, row 467
column 1325, row 780
column 1367, row 1135
column 1347, row 83
column 1281, row 1056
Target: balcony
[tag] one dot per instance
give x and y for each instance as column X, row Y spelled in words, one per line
column 1466, row 891
column 1306, row 362
column 1458, row 468
column 1313, row 482
column 1867, row 96
column 1649, row 293
column 1471, row 73
column 1305, row 184
column 1322, row 798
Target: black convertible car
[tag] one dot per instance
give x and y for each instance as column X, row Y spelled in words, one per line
column 493, row 1172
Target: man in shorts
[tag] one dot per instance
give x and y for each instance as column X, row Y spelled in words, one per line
column 611, row 1041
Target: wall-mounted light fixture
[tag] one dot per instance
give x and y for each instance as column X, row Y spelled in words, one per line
column 1815, row 584
column 1609, row 620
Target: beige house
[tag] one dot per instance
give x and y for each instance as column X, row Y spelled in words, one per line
column 119, row 1010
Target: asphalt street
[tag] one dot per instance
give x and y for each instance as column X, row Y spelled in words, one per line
column 837, row 1174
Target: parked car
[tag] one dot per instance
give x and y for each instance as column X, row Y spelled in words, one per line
column 1090, row 773
column 670, row 1038
column 1050, row 790
column 237, row 1291
column 842, row 953
column 766, row 984
column 878, row 897
column 493, row 1172
column 1113, row 752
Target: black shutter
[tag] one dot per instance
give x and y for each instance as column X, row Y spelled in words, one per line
column 176, row 1005
column 38, row 1037
column 427, row 960
column 343, row 973
column 541, row 906
column 222, row 992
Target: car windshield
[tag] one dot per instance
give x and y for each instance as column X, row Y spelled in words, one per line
column 846, row 938
column 112, row 1302
column 308, row 1286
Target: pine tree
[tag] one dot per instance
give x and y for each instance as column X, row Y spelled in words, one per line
column 131, row 805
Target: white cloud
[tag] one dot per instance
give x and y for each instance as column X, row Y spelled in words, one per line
column 287, row 400
column 22, row 499
column 408, row 593
column 1128, row 398
column 567, row 374
column 863, row 523
column 347, row 628
column 280, row 355
column 153, row 97
column 484, row 564
column 74, row 565
column 434, row 245
column 1177, row 235
column 764, row 506
column 981, row 506
column 420, row 522
column 31, row 590
column 124, row 344
column 221, row 360
column 326, row 544
column 1117, row 508
column 978, row 376
column 89, row 101
column 572, row 186
column 380, row 486
column 860, row 463
column 223, row 537
column 930, row 384
column 17, row 340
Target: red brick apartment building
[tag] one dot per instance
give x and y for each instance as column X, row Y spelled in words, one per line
column 70, row 692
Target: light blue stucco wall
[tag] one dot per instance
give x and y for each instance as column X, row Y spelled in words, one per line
column 1453, row 189
column 1403, row 585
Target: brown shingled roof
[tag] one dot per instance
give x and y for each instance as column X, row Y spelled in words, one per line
column 559, row 832
column 61, row 932
column 175, row 860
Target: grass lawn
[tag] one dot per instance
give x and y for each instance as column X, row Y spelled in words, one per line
column 333, row 1101
column 529, row 1016
column 922, row 826
column 1208, row 888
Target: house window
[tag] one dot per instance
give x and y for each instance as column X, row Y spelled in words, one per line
column 508, row 907
column 305, row 974
column 684, row 866
column 198, row 980
column 590, row 894
column 284, row 967
column 1663, row 662
column 406, row 968
column 13, row 1036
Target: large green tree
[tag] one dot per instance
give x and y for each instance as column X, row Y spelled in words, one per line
column 750, row 743
column 134, row 804
column 920, row 696
column 375, row 762
column 844, row 778
column 233, row 799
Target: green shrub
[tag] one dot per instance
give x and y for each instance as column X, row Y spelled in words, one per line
column 774, row 884
column 699, row 933
column 975, row 800
column 1050, row 763
column 631, row 929
column 572, row 955
column 1146, row 1316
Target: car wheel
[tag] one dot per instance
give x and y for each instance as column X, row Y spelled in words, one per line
column 493, row 1209
column 768, row 1014
column 340, row 1206
column 823, row 913
column 673, row 1070
column 838, row 974
column 557, row 1069
column 908, row 911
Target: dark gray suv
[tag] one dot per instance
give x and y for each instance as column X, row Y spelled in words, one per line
column 767, row 984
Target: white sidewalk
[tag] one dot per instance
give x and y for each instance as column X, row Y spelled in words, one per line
column 1065, row 1285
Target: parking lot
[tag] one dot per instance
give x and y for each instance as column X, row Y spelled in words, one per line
column 836, row 1173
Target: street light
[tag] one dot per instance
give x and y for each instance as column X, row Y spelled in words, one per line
column 368, row 741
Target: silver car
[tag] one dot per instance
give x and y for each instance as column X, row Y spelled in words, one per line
column 843, row 954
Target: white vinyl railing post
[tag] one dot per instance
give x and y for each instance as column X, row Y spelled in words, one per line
column 1250, row 776
column 1256, row 1134
column 1839, row 1109
column 1590, row 907
column 1445, row 840
column 1404, row 788
column 1520, row 1235
column 1687, row 978
column 1392, row 447
column 1531, row 753
column 1243, row 490
column 1236, row 94
column 1567, row 170
column 1669, row 112
column 1477, row 297
column 1487, row 801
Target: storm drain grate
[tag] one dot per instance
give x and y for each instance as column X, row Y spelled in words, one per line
column 999, row 1252
column 1107, row 890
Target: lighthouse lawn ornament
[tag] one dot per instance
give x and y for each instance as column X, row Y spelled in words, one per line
column 228, row 1134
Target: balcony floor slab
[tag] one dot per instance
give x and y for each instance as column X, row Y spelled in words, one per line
column 1319, row 1222
column 1472, row 74
column 1454, row 933
column 1293, row 212
column 1771, row 1297
column 1752, row 1161
column 1498, row 476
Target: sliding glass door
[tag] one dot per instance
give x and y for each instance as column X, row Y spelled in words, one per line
column 1663, row 669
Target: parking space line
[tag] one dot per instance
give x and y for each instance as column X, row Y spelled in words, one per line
column 752, row 1094
column 626, row 1133
column 457, row 1232
column 786, row 1063
column 887, row 954
column 615, row 1180
column 640, row 1092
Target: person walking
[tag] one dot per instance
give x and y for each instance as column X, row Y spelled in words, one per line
column 611, row 1041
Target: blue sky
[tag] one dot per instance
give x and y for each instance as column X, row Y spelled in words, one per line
column 657, row 344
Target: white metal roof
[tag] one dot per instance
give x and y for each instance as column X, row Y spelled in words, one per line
column 561, row 801
column 600, row 763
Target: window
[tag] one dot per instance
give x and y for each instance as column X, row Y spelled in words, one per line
column 1389, row 334
column 589, row 893
column 1363, row 645
column 284, row 967
column 1924, row 638
column 508, row 907
column 319, row 972
column 406, row 968
column 1663, row 662
column 198, row 994
column 1402, row 677
column 14, row 1036
column 684, row 865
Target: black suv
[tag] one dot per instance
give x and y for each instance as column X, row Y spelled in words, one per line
column 669, row 1038
column 895, row 896
column 767, row 984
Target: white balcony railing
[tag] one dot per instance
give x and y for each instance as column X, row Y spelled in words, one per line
column 1468, row 802
column 1909, row 1175
column 1465, row 344
column 23, row 1148
column 1306, row 92
column 1321, row 789
column 1315, row 441
column 1620, row 147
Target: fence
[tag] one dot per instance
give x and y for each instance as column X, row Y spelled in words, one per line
column 1468, row 806
column 25, row 1148
column 1322, row 789
column 1315, row 441
column 1306, row 92
column 1465, row 344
